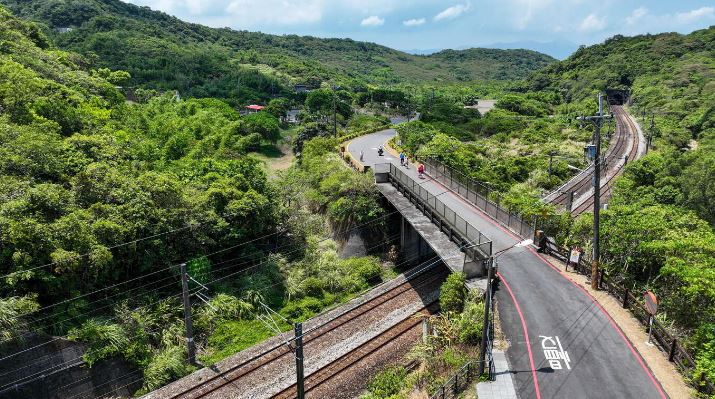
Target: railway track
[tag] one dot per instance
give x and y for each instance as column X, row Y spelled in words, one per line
column 230, row 376
column 622, row 119
column 625, row 129
column 350, row 359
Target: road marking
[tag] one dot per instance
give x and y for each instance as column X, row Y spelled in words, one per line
column 615, row 326
column 526, row 335
column 554, row 352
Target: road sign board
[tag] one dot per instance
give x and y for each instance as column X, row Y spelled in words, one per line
column 575, row 256
column 651, row 302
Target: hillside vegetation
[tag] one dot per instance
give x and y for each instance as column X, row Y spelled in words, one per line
column 101, row 199
column 658, row 229
column 163, row 52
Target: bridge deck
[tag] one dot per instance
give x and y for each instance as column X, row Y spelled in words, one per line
column 440, row 243
column 538, row 303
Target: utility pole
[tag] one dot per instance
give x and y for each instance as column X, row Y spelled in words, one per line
column 491, row 270
column 487, row 307
column 335, row 113
column 650, row 132
column 300, row 383
column 187, row 315
column 598, row 122
column 551, row 161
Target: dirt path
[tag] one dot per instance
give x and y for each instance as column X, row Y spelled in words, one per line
column 276, row 158
column 665, row 372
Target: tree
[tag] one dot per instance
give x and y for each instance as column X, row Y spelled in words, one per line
column 278, row 107
column 264, row 124
column 320, row 101
column 453, row 293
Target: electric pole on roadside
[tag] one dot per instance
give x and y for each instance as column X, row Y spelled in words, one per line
column 187, row 315
column 650, row 132
column 300, row 379
column 486, row 326
column 597, row 121
column 335, row 112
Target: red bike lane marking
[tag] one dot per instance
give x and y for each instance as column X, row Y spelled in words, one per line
column 612, row 322
column 526, row 335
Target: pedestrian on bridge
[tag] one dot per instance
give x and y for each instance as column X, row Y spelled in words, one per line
column 402, row 158
column 421, row 170
column 407, row 162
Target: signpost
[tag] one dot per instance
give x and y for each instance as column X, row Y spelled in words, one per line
column 574, row 257
column 651, row 305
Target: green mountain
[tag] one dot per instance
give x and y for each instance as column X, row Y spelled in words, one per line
column 668, row 74
column 164, row 52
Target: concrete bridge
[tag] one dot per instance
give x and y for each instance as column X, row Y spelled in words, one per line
column 563, row 344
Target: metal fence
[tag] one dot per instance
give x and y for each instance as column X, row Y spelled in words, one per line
column 458, row 382
column 666, row 341
column 478, row 194
column 475, row 244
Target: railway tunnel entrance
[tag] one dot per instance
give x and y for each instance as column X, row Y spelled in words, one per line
column 618, row 96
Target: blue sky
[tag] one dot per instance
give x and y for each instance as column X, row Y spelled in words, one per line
column 556, row 27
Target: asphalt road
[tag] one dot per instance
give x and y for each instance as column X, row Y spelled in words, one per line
column 541, row 309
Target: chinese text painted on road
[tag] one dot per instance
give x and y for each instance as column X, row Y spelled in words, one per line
column 554, row 352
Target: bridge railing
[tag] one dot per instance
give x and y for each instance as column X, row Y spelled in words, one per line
column 478, row 194
column 475, row 245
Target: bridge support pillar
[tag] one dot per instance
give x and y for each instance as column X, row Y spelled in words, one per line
column 474, row 268
column 414, row 249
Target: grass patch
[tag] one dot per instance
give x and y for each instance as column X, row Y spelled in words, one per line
column 236, row 335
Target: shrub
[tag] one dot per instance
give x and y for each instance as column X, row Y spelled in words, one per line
column 387, row 383
column 165, row 366
column 367, row 269
column 312, row 286
column 453, row 293
column 471, row 323
column 303, row 309
column 103, row 339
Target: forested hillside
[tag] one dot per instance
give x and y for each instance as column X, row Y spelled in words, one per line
column 101, row 199
column 658, row 229
column 81, row 171
column 163, row 52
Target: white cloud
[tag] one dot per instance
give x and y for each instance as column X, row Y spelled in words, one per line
column 275, row 12
column 525, row 10
column 452, row 12
column 414, row 22
column 636, row 15
column 693, row 15
column 373, row 20
column 592, row 23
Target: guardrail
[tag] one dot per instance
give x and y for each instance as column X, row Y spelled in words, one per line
column 478, row 194
column 353, row 135
column 458, row 382
column 475, row 245
column 667, row 342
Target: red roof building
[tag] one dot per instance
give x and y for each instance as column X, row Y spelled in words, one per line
column 254, row 108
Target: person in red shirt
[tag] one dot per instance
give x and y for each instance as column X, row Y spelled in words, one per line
column 421, row 170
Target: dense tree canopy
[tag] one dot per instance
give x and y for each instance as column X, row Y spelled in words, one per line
column 81, row 171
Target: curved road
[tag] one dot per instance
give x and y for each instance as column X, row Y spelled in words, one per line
column 537, row 304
